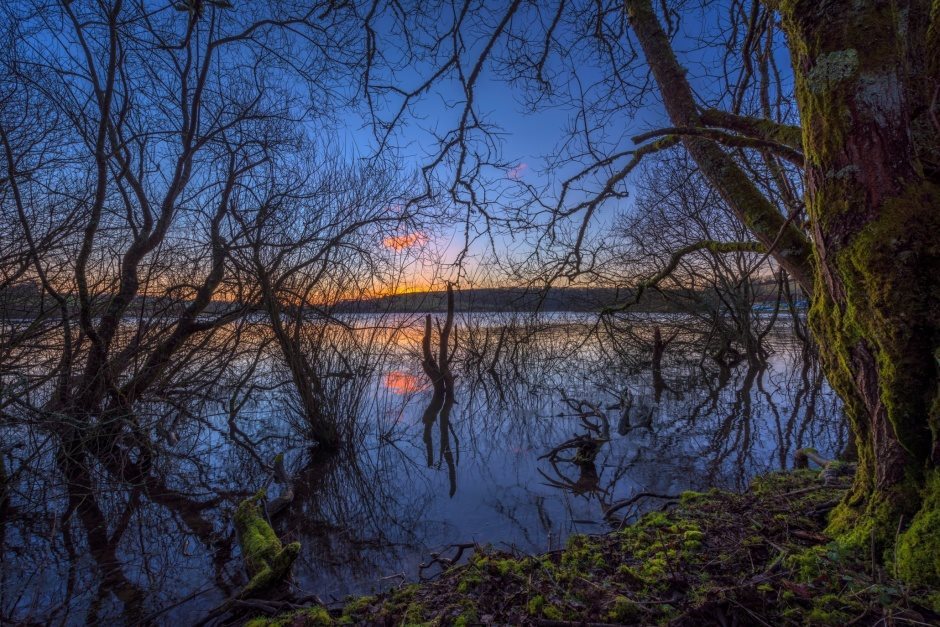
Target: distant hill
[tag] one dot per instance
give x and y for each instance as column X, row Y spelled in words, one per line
column 26, row 301
column 574, row 299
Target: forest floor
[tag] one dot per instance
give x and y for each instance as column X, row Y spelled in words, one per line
column 715, row 558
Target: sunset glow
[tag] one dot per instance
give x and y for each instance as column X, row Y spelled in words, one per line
column 401, row 242
column 403, row 382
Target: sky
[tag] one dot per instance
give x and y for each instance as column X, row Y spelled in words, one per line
column 530, row 138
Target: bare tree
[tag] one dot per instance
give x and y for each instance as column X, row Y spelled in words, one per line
column 311, row 240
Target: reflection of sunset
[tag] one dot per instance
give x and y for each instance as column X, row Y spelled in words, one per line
column 400, row 242
column 403, row 382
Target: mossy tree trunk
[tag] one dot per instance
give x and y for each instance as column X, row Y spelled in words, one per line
column 867, row 78
column 867, row 87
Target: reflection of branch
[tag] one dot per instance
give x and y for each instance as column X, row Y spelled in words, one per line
column 578, row 442
column 287, row 491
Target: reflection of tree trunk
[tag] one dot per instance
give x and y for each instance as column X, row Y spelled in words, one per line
column 431, row 368
column 81, row 499
column 447, row 453
column 659, row 349
column 442, row 378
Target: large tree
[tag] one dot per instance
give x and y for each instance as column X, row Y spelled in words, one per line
column 866, row 82
column 842, row 190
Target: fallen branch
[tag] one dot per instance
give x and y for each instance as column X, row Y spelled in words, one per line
column 445, row 562
column 610, row 509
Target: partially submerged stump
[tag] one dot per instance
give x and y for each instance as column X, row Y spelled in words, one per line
column 832, row 470
column 267, row 561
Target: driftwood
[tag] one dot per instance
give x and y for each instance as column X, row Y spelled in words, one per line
column 445, row 562
column 615, row 507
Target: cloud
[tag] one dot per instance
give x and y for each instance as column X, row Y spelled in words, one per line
column 517, row 172
column 401, row 242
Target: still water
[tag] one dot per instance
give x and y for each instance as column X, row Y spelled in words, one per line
column 553, row 426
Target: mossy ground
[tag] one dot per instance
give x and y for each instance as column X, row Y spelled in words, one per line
column 715, row 558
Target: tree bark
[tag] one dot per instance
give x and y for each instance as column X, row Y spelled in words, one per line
column 866, row 84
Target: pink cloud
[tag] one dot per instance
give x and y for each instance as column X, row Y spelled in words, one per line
column 517, row 172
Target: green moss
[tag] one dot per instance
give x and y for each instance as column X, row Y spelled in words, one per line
column 807, row 565
column 535, row 605
column 468, row 615
column 539, row 607
column 690, row 496
column 552, row 613
column 414, row 614
column 832, row 609
column 358, row 606
column 693, row 535
column 624, row 610
column 266, row 560
column 505, row 567
column 932, row 600
column 470, row 580
column 918, row 555
column 582, row 554
column 315, row 616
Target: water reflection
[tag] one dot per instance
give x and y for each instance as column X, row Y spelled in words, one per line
column 549, row 428
column 403, row 383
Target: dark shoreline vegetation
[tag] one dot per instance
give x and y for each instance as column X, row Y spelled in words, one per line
column 23, row 301
column 716, row 558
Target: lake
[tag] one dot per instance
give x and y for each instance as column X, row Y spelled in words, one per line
column 556, row 427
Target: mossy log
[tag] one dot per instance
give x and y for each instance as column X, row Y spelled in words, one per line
column 266, row 560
